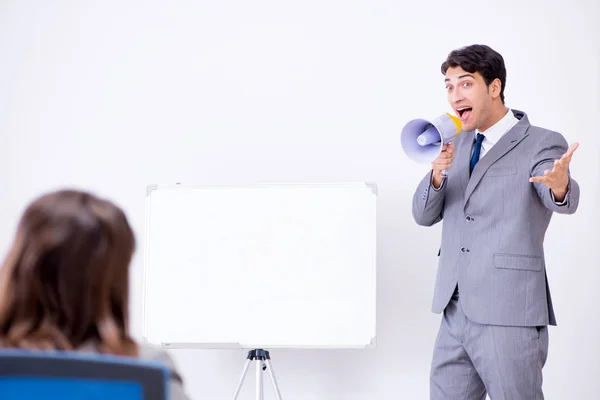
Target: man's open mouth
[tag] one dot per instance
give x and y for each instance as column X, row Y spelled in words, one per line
column 464, row 112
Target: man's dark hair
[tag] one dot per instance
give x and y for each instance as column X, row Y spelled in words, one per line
column 479, row 58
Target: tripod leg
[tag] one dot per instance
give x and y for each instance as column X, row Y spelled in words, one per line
column 241, row 382
column 259, row 380
column 273, row 380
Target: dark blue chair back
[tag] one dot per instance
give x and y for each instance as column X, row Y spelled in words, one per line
column 60, row 375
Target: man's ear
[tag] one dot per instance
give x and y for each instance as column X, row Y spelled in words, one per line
column 495, row 88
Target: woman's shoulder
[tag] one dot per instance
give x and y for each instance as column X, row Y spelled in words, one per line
column 159, row 355
column 146, row 352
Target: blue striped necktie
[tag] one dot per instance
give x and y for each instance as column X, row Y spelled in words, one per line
column 476, row 151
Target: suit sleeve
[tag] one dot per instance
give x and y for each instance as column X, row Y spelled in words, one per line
column 428, row 202
column 550, row 148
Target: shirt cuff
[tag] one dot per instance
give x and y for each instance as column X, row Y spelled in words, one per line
column 561, row 203
column 441, row 185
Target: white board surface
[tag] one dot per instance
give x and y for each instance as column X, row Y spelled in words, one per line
column 264, row 266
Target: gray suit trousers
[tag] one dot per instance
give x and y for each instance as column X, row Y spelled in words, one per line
column 471, row 360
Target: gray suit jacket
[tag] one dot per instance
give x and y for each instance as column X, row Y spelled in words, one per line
column 494, row 223
column 176, row 390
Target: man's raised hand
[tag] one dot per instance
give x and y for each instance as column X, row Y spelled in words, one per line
column 558, row 178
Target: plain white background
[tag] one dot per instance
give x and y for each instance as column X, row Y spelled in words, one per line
column 110, row 96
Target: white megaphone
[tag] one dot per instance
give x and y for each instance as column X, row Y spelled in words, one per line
column 422, row 140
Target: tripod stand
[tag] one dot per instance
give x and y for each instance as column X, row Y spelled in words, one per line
column 263, row 362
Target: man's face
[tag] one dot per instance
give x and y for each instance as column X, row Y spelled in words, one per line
column 469, row 97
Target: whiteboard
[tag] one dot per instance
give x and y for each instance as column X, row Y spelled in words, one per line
column 261, row 266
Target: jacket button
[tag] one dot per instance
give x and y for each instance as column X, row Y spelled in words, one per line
column 469, row 218
column 464, row 250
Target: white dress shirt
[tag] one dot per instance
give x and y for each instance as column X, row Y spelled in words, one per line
column 496, row 131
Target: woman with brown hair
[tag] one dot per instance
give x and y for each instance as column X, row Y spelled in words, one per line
column 65, row 282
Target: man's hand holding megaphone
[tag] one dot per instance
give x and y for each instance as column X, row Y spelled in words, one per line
column 432, row 142
column 441, row 164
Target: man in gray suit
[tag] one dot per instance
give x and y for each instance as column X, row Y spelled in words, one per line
column 504, row 180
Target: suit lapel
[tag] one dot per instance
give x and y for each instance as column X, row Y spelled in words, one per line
column 503, row 146
column 463, row 158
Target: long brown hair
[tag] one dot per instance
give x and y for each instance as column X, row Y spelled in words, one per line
column 65, row 280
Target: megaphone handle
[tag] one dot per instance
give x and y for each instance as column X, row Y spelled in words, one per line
column 444, row 172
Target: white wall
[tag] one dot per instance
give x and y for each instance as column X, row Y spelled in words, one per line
column 111, row 96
